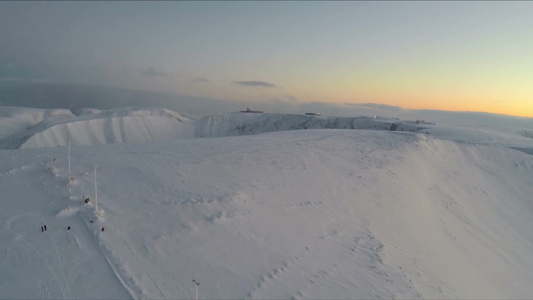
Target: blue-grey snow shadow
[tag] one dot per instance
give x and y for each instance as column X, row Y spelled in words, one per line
column 525, row 150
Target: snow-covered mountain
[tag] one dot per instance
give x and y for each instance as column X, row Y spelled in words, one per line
column 75, row 97
column 37, row 128
column 249, row 123
column 305, row 213
column 52, row 128
column 14, row 120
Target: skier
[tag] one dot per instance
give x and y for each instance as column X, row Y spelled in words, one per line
column 68, row 228
column 44, row 227
column 102, row 228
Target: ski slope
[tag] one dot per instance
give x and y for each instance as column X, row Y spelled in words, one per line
column 320, row 214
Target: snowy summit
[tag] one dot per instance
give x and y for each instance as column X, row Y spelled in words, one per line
column 148, row 204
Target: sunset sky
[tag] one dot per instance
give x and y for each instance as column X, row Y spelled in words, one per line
column 464, row 56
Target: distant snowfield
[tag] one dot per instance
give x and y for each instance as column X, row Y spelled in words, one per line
column 316, row 213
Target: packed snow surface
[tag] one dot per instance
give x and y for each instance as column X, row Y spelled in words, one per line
column 321, row 214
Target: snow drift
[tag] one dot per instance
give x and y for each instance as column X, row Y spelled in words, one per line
column 323, row 214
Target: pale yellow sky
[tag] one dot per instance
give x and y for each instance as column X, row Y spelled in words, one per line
column 448, row 55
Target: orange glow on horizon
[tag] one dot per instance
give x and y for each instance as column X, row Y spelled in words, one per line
column 506, row 97
column 514, row 107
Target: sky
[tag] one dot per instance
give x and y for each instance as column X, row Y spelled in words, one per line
column 461, row 56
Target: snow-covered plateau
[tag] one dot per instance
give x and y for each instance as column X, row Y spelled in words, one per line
column 261, row 206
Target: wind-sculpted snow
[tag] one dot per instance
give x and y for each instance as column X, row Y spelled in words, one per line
column 247, row 124
column 305, row 214
column 53, row 128
column 110, row 130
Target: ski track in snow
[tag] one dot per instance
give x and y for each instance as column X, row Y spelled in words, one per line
column 67, row 285
column 60, row 276
column 65, row 288
column 127, row 281
column 89, row 212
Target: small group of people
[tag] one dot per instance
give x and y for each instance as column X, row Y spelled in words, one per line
column 85, row 200
column 43, row 228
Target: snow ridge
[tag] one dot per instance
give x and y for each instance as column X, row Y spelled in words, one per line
column 247, row 124
column 52, row 128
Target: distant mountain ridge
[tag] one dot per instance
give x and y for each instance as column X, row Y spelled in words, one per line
column 52, row 128
column 74, row 97
column 246, row 124
column 37, row 128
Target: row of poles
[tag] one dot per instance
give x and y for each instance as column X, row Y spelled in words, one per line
column 196, row 284
column 70, row 179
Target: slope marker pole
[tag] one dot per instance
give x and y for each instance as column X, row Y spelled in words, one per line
column 69, row 159
column 69, row 177
column 196, row 284
column 95, row 190
column 51, row 162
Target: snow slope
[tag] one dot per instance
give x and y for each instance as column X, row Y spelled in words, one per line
column 251, row 123
column 32, row 128
column 92, row 127
column 18, row 119
column 494, row 135
column 234, row 124
column 321, row 214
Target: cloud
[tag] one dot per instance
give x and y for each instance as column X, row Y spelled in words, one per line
column 374, row 106
column 292, row 99
column 253, row 83
column 199, row 80
column 27, row 80
column 150, row 72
